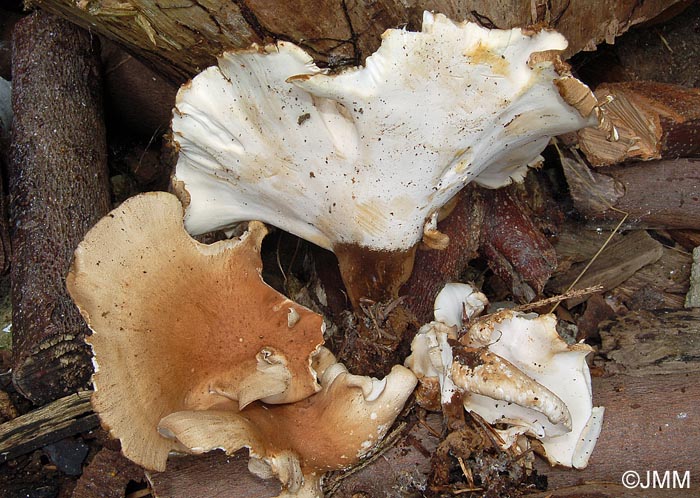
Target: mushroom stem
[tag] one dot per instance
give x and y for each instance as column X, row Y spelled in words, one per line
column 373, row 274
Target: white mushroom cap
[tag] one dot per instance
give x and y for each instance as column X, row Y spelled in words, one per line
column 531, row 343
column 179, row 325
column 513, row 368
column 457, row 303
column 299, row 442
column 367, row 156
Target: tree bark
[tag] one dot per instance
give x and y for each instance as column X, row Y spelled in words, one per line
column 59, row 188
column 183, row 37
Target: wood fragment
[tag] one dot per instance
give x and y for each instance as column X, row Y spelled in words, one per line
column 660, row 285
column 597, row 311
column 50, row 423
column 650, row 423
column 59, row 188
column 619, row 261
column 653, row 121
column 516, row 250
column 646, row 342
column 107, row 476
column 662, row 194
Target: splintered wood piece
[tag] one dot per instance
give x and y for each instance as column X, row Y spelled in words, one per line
column 653, row 121
column 48, row 424
column 644, row 342
column 59, row 188
column 618, row 262
column 661, row 285
column 692, row 299
column 182, row 41
column 661, row 194
column 576, row 244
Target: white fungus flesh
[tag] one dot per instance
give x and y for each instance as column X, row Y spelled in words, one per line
column 513, row 368
column 367, row 156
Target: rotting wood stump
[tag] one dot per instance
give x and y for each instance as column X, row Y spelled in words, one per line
column 59, row 188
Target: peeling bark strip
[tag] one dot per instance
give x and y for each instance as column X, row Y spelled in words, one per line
column 182, row 38
column 517, row 251
column 59, row 189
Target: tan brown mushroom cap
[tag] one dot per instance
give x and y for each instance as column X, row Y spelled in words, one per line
column 299, row 442
column 179, row 325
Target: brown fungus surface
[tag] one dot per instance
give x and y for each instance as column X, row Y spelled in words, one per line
column 178, row 325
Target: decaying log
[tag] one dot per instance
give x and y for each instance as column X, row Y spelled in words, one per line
column 653, row 121
column 619, row 261
column 615, row 490
column 213, row 474
column 182, row 39
column 667, row 53
column 107, row 476
column 48, row 424
column 59, row 188
column 661, row 194
column 643, row 342
column 5, row 128
column 651, row 423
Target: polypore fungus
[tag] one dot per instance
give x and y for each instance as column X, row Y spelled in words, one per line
column 178, row 325
column 361, row 161
column 513, row 368
column 301, row 441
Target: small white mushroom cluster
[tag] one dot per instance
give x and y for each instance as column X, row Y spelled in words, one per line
column 513, row 370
